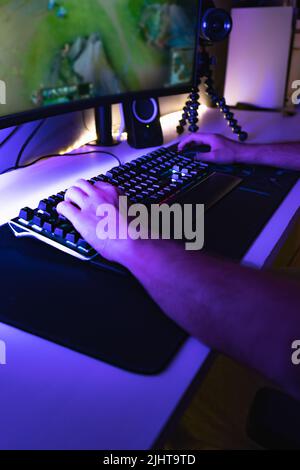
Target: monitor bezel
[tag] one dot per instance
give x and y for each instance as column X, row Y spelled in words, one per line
column 16, row 119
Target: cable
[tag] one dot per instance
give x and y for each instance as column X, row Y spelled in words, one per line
column 64, row 155
column 100, row 151
column 27, row 142
column 9, row 136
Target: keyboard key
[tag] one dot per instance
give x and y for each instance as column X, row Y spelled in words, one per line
column 54, row 200
column 153, row 199
column 45, row 206
column 176, row 168
column 62, row 220
column 60, row 232
column 72, row 237
column 132, row 191
column 83, row 245
column 121, row 179
column 26, row 214
column 38, row 220
column 48, row 227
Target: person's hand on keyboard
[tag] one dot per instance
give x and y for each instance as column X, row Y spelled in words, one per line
column 222, row 150
column 80, row 207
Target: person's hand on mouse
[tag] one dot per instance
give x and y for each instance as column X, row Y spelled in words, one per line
column 223, row 150
column 81, row 208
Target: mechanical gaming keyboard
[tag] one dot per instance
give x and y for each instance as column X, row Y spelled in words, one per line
column 155, row 178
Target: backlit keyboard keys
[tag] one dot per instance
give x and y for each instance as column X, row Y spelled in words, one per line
column 62, row 220
column 60, row 232
column 54, row 200
column 150, row 179
column 45, row 206
column 38, row 221
column 72, row 237
column 26, row 214
column 48, row 227
column 83, row 245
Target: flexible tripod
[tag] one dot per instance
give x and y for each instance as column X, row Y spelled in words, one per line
column 190, row 111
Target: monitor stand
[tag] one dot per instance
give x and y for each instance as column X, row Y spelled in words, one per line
column 103, row 120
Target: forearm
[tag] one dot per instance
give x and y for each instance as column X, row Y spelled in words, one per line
column 251, row 316
column 285, row 155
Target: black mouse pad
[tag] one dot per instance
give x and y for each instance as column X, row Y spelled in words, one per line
column 80, row 306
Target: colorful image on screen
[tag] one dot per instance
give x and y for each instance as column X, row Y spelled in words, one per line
column 60, row 51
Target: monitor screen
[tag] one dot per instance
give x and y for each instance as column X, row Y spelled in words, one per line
column 58, row 53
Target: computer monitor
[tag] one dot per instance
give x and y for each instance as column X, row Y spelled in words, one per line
column 59, row 56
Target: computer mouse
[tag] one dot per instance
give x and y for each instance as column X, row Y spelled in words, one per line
column 203, row 148
column 192, row 150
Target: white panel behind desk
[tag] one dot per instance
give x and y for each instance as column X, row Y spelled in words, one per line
column 258, row 56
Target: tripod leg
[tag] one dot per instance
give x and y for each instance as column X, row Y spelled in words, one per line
column 224, row 108
column 193, row 114
column 185, row 116
column 190, row 113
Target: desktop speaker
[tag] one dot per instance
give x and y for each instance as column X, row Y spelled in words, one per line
column 142, row 120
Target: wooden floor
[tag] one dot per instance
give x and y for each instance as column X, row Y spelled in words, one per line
column 216, row 418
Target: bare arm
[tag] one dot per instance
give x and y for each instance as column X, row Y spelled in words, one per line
column 282, row 155
column 254, row 317
column 251, row 316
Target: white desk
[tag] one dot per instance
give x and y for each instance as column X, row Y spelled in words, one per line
column 54, row 398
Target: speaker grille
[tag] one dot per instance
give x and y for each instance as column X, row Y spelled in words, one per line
column 145, row 110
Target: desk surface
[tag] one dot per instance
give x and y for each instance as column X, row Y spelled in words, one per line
column 54, row 398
